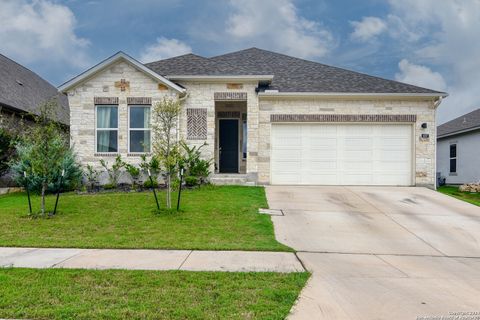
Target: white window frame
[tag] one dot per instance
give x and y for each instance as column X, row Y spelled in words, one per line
column 450, row 158
column 107, row 129
column 139, row 129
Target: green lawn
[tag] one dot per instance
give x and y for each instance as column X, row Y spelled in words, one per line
column 473, row 198
column 122, row 294
column 212, row 218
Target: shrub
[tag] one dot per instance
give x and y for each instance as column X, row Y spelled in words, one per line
column 134, row 173
column 91, row 175
column 148, row 184
column 153, row 165
column 115, row 171
column 196, row 168
column 6, row 150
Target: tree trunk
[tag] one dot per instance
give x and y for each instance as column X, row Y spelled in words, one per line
column 44, row 188
column 169, row 205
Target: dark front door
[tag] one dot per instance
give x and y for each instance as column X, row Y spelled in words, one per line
column 228, row 134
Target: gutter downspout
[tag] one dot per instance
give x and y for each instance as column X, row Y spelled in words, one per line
column 181, row 99
column 435, row 106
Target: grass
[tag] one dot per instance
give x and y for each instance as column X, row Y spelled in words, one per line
column 212, row 218
column 473, row 198
column 124, row 294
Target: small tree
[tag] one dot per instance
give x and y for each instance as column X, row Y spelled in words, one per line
column 166, row 147
column 43, row 149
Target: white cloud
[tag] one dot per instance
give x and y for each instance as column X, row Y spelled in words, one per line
column 164, row 48
column 41, row 31
column 368, row 28
column 444, row 36
column 276, row 25
column 420, row 76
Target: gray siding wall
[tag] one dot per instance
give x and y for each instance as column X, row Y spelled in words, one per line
column 468, row 158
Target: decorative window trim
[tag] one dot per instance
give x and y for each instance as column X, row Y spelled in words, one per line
column 229, row 96
column 228, row 114
column 196, row 124
column 138, row 154
column 138, row 129
column 409, row 118
column 105, row 100
column 139, row 100
column 105, row 154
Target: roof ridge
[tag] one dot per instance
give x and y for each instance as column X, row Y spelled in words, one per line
column 175, row 57
column 325, row 65
column 460, row 117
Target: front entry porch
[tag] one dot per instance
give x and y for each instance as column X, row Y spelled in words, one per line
column 230, row 137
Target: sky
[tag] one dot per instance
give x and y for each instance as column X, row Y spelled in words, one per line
column 430, row 43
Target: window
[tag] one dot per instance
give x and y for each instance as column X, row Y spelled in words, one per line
column 107, row 128
column 139, row 129
column 244, row 139
column 453, row 158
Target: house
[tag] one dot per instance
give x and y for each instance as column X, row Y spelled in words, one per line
column 21, row 94
column 458, row 149
column 23, row 91
column 267, row 118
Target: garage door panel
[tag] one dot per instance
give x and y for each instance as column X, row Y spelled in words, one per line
column 322, row 166
column 326, row 179
column 336, row 154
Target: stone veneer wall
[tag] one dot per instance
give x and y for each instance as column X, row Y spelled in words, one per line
column 201, row 95
column 82, row 109
column 424, row 162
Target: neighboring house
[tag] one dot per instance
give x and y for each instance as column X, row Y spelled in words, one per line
column 458, row 149
column 23, row 91
column 21, row 94
column 268, row 118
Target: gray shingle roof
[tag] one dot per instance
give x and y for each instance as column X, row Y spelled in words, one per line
column 465, row 123
column 24, row 90
column 290, row 74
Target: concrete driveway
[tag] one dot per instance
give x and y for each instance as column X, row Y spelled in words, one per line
column 381, row 252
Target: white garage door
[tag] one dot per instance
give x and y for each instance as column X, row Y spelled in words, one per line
column 341, row 154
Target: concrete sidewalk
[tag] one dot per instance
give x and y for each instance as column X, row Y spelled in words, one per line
column 191, row 260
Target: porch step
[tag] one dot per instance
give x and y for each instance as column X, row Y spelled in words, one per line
column 230, row 179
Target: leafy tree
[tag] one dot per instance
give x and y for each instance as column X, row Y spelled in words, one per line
column 11, row 126
column 166, row 147
column 72, row 175
column 6, row 150
column 43, row 150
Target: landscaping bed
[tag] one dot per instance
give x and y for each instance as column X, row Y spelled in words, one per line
column 211, row 218
column 473, row 198
column 123, row 294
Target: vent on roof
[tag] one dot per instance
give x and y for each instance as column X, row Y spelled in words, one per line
column 19, row 82
column 464, row 120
